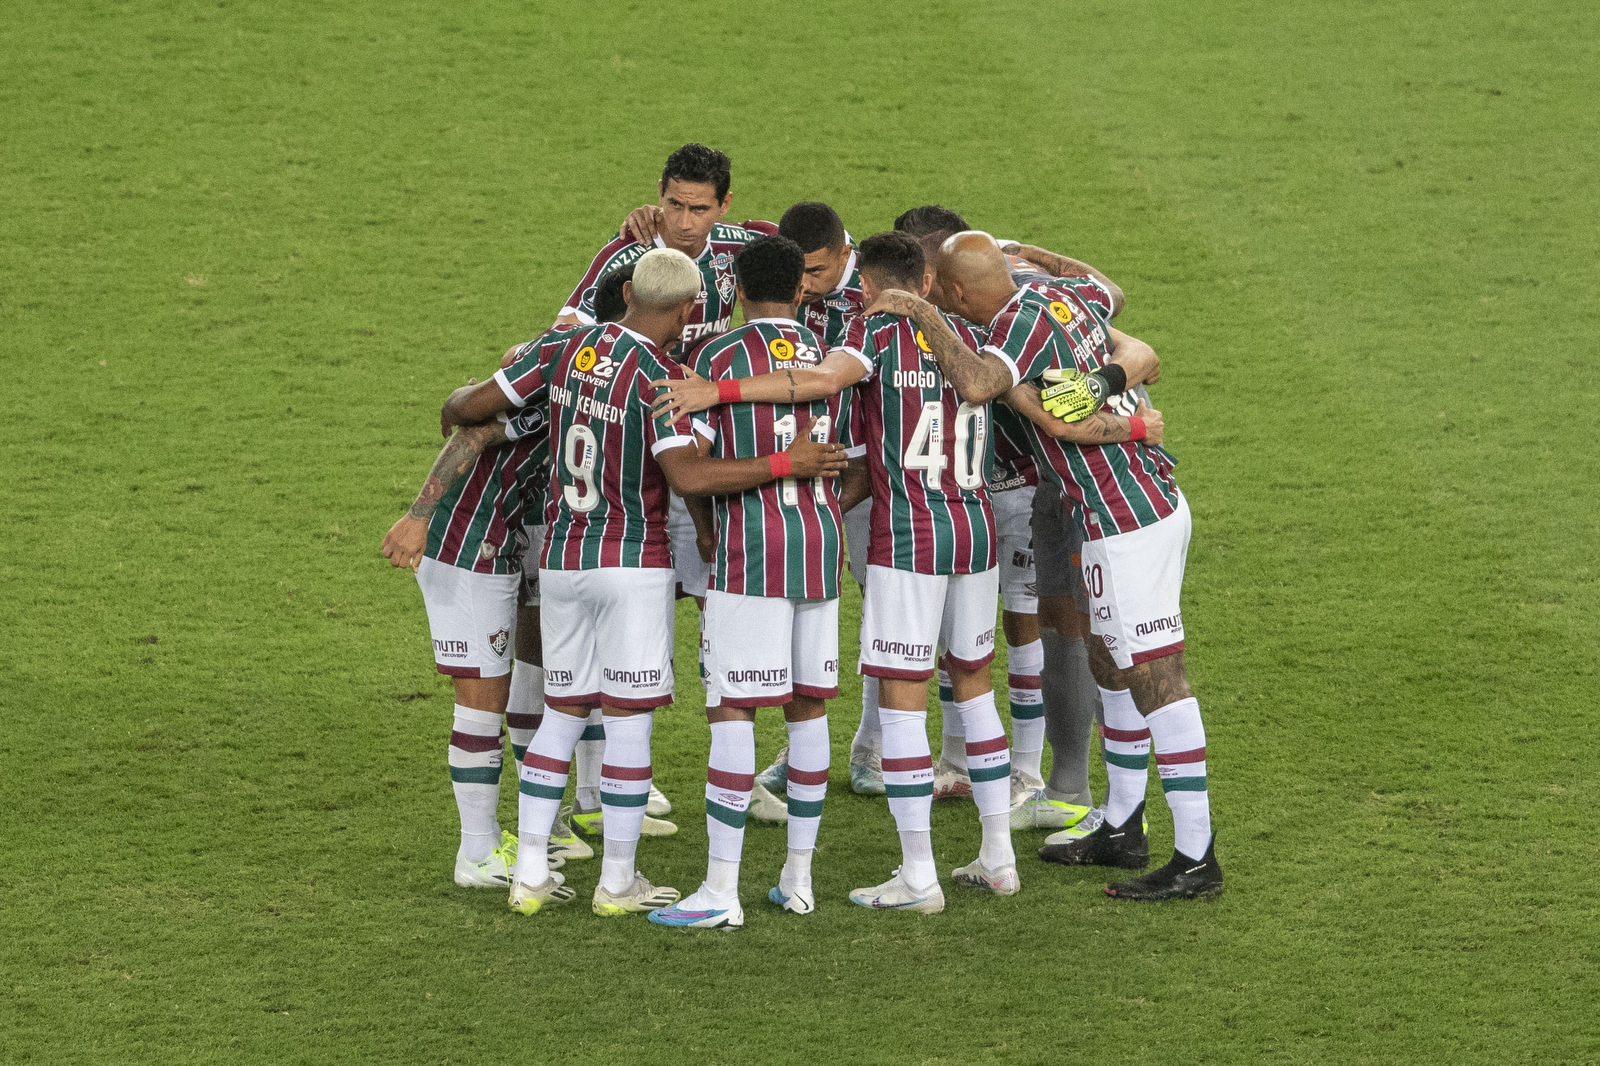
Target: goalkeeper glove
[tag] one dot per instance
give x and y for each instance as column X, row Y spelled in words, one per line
column 1073, row 395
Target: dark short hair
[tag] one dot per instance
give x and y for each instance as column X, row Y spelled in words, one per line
column 608, row 303
column 697, row 163
column 770, row 269
column 929, row 219
column 893, row 259
column 812, row 226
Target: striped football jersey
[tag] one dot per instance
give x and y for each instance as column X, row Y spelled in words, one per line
column 1114, row 488
column 607, row 502
column 831, row 317
column 928, row 453
column 713, row 309
column 784, row 538
column 476, row 522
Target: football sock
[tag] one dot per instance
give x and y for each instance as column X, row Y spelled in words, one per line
column 869, row 734
column 589, row 754
column 953, row 744
column 1125, row 743
column 477, row 747
column 797, row 870
column 729, row 779
column 908, row 779
column 544, row 781
column 1179, row 739
column 989, row 765
column 525, row 710
column 808, row 783
column 1071, row 706
column 624, row 790
column 1025, row 662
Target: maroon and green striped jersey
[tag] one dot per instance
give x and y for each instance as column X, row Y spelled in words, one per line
column 713, row 309
column 475, row 523
column 1115, row 488
column 533, row 423
column 607, row 503
column 1013, row 467
column 832, row 316
column 784, row 538
column 928, row 453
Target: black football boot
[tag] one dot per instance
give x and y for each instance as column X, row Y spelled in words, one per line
column 1182, row 878
column 1125, row 846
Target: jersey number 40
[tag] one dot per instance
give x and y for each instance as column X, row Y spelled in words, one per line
column 926, row 449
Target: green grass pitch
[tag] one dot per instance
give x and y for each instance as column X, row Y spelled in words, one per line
column 246, row 248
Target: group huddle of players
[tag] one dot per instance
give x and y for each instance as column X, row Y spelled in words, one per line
column 956, row 415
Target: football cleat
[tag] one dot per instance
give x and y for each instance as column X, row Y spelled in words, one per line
column 866, row 772
column 658, row 804
column 699, row 911
column 564, row 843
column 775, row 778
column 1002, row 882
column 551, row 891
column 950, row 781
column 1023, row 785
column 493, row 871
column 1038, row 811
column 794, row 900
column 895, row 895
column 637, row 898
column 765, row 807
column 1182, row 878
column 593, row 823
column 1125, row 845
column 1088, row 824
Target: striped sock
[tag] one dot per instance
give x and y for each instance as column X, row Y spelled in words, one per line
column 1125, row 744
column 588, row 755
column 808, row 781
column 953, row 742
column 1180, row 742
column 989, row 765
column 477, row 747
column 729, row 778
column 908, row 779
column 869, row 734
column 544, row 782
column 1025, row 662
column 624, row 790
column 525, row 710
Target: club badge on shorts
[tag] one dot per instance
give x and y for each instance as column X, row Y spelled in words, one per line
column 499, row 641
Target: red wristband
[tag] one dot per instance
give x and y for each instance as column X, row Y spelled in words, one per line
column 1136, row 428
column 728, row 391
column 780, row 464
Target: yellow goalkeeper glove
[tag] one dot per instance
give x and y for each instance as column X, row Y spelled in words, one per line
column 1074, row 395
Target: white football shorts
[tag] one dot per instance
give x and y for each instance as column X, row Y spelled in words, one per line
column 1135, row 581
column 692, row 573
column 761, row 651
column 906, row 616
column 1013, row 521
column 607, row 636
column 473, row 619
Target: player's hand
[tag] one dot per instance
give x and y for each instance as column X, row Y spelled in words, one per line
column 644, row 223
column 682, row 396
column 1011, row 247
column 445, row 423
column 1074, row 395
column 510, row 357
column 405, row 542
column 1153, row 427
column 896, row 302
column 808, row 458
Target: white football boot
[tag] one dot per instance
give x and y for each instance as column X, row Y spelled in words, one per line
column 765, row 807
column 699, row 911
column 1032, row 808
column 637, row 898
column 1079, row 829
column 895, row 895
column 548, row 893
column 796, row 899
column 566, row 844
column 494, row 871
column 866, row 772
column 1002, row 882
column 950, row 781
column 658, row 804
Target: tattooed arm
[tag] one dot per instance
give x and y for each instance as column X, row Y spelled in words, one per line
column 1102, row 427
column 977, row 377
column 1063, row 266
column 837, row 372
column 406, row 540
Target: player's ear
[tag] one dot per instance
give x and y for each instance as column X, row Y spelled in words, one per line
column 627, row 293
column 927, row 283
column 799, row 293
column 727, row 202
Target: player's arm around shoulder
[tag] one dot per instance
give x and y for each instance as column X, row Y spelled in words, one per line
column 407, row 539
column 837, row 371
column 977, row 377
column 1102, row 427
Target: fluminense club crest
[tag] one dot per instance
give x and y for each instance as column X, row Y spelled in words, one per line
column 499, row 641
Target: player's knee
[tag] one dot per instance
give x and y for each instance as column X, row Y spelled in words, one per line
column 484, row 693
column 1158, row 682
column 1020, row 629
column 1103, row 666
column 805, row 709
column 530, row 648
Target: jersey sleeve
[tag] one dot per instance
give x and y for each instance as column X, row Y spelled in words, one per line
column 756, row 225
column 1094, row 294
column 526, row 422
column 851, row 433
column 581, row 302
column 662, row 432
column 856, row 341
column 526, row 375
column 1022, row 340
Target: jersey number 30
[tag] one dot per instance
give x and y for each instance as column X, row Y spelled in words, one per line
column 926, row 450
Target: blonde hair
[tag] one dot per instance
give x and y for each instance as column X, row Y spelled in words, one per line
column 665, row 278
